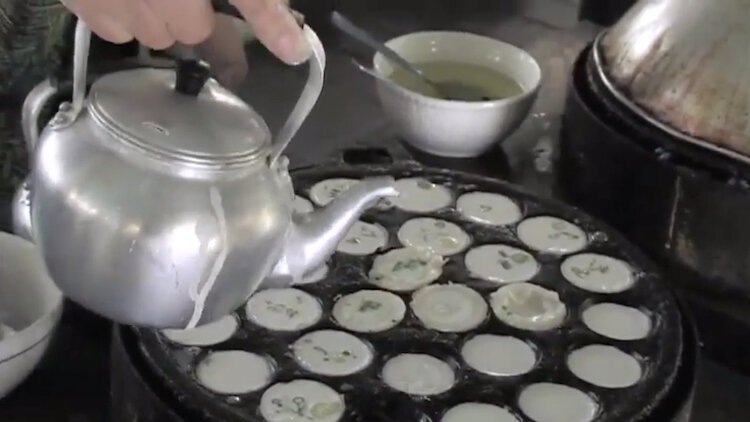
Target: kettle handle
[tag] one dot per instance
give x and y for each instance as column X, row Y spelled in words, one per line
column 308, row 98
column 70, row 112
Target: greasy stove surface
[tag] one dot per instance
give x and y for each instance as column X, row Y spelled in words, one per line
column 72, row 384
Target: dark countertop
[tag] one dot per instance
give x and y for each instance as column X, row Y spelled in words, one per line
column 72, row 383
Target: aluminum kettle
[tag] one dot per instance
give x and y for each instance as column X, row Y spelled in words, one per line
column 159, row 198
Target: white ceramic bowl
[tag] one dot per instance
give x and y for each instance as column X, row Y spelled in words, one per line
column 30, row 304
column 455, row 128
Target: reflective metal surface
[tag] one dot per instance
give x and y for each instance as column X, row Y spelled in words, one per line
column 172, row 233
column 21, row 210
column 684, row 64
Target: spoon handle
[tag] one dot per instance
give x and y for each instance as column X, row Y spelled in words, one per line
column 373, row 73
column 345, row 25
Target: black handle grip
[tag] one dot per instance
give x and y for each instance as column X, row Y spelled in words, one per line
column 192, row 75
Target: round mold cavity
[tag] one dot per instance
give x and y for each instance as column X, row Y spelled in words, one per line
column 319, row 274
column 284, row 309
column 369, row 311
column 420, row 195
column 489, row 208
column 363, row 239
column 499, row 356
column 478, row 412
column 618, row 322
column 501, row 264
column 302, row 400
column 325, row 191
column 438, row 236
column 450, row 308
column 598, row 273
column 605, row 366
column 405, row 269
column 552, row 235
column 234, row 372
column 332, row 353
column 550, row 402
column 302, row 205
column 209, row 334
column 418, row 374
column 527, row 306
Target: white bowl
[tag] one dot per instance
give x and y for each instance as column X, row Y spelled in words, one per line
column 30, row 303
column 455, row 128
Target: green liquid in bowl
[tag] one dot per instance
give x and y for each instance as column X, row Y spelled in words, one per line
column 493, row 85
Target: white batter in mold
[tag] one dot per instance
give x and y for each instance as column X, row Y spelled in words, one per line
column 440, row 236
column 547, row 402
column 450, row 308
column 234, row 372
column 605, row 366
column 501, row 264
column 405, row 269
column 527, row 306
column 326, row 191
column 478, row 412
column 500, row 356
column 420, row 195
column 332, row 353
column 369, row 311
column 315, row 276
column 302, row 205
column 598, row 273
column 489, row 208
column 302, row 401
column 418, row 374
column 6, row 331
column 205, row 335
column 552, row 235
column 363, row 239
column 286, row 309
column 617, row 321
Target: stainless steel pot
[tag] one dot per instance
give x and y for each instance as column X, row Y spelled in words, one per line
column 682, row 64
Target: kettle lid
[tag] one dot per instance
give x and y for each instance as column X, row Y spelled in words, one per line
column 183, row 115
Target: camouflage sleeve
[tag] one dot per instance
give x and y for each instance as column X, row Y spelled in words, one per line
column 31, row 38
column 31, row 44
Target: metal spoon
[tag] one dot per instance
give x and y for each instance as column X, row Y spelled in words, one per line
column 373, row 73
column 449, row 90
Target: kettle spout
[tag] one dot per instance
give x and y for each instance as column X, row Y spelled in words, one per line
column 313, row 237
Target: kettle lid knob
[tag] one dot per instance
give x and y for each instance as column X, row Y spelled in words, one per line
column 191, row 76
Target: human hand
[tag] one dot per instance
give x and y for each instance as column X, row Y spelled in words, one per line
column 225, row 52
column 159, row 23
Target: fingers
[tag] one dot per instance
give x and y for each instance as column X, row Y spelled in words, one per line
column 225, row 52
column 100, row 17
column 156, row 24
column 274, row 25
column 189, row 21
column 159, row 23
column 148, row 28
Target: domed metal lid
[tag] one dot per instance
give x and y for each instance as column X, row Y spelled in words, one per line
column 180, row 114
column 683, row 67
